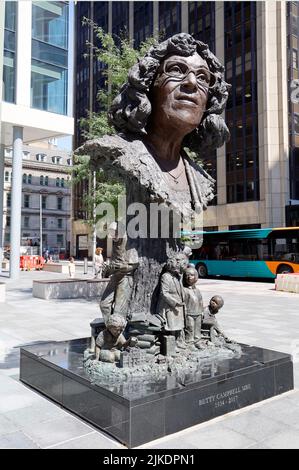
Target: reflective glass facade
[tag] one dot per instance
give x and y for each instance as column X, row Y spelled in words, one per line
column 202, row 22
column 120, row 19
column 242, row 164
column 293, row 74
column 143, row 21
column 169, row 18
column 9, row 56
column 49, row 63
column 202, row 26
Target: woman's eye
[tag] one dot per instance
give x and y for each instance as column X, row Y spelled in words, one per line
column 203, row 78
column 175, row 69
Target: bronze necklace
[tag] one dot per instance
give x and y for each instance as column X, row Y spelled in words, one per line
column 168, row 172
column 175, row 178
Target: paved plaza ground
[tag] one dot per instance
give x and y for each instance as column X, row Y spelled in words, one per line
column 254, row 313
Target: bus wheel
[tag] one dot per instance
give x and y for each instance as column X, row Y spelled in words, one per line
column 284, row 269
column 202, row 270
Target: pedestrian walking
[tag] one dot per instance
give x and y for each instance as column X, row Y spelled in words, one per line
column 72, row 267
column 46, row 256
column 98, row 263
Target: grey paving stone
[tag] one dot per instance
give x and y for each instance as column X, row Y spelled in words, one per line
column 93, row 440
column 30, row 415
column 254, row 424
column 260, row 445
column 283, row 412
column 7, row 426
column 17, row 440
column 283, row 440
column 57, row 431
column 174, row 443
column 41, row 320
column 216, row 436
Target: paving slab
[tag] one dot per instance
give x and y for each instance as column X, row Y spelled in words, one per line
column 253, row 313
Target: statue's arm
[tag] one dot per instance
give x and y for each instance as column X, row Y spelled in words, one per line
column 100, row 340
column 220, row 331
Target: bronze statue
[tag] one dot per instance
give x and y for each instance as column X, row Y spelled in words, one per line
column 210, row 327
column 173, row 99
column 193, row 306
column 111, row 340
column 171, row 305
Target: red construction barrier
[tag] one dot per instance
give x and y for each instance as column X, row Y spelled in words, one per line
column 27, row 263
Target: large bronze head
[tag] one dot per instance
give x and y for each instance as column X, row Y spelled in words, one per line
column 179, row 79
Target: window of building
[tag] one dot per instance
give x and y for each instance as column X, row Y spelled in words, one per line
column 59, row 223
column 26, row 155
column 7, row 221
column 62, row 182
column 57, row 160
column 7, row 177
column 202, row 22
column 24, row 178
column 59, row 203
column 8, row 152
column 58, row 182
column 8, row 199
column 26, row 200
column 26, row 221
column 242, row 162
column 59, row 239
column 9, row 56
column 46, row 180
column 49, row 56
column 44, row 202
column 69, row 161
column 41, row 157
column 44, row 222
column 29, row 180
column 41, row 180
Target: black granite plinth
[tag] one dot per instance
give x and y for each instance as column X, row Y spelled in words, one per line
column 135, row 413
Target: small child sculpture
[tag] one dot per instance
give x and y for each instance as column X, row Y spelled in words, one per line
column 193, row 306
column 210, row 325
column 111, row 340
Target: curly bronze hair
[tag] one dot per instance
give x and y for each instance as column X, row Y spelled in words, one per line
column 131, row 108
column 116, row 320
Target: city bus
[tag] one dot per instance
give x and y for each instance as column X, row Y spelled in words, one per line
column 260, row 253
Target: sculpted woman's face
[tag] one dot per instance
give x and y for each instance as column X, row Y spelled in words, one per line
column 180, row 92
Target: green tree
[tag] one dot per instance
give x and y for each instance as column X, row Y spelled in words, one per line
column 116, row 60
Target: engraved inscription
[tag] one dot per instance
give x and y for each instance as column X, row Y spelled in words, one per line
column 224, row 398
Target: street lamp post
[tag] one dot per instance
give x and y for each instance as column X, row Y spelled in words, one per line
column 40, row 225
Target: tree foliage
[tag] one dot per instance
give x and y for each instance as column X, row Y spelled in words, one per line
column 116, row 56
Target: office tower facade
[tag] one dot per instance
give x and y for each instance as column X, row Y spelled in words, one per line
column 36, row 91
column 256, row 172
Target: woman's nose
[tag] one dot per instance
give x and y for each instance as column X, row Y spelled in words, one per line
column 190, row 81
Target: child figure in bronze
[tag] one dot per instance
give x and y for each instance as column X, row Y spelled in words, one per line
column 111, row 340
column 193, row 306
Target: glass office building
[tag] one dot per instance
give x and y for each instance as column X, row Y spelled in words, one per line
column 9, row 55
column 36, row 103
column 242, row 164
column 257, row 171
column 49, row 64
